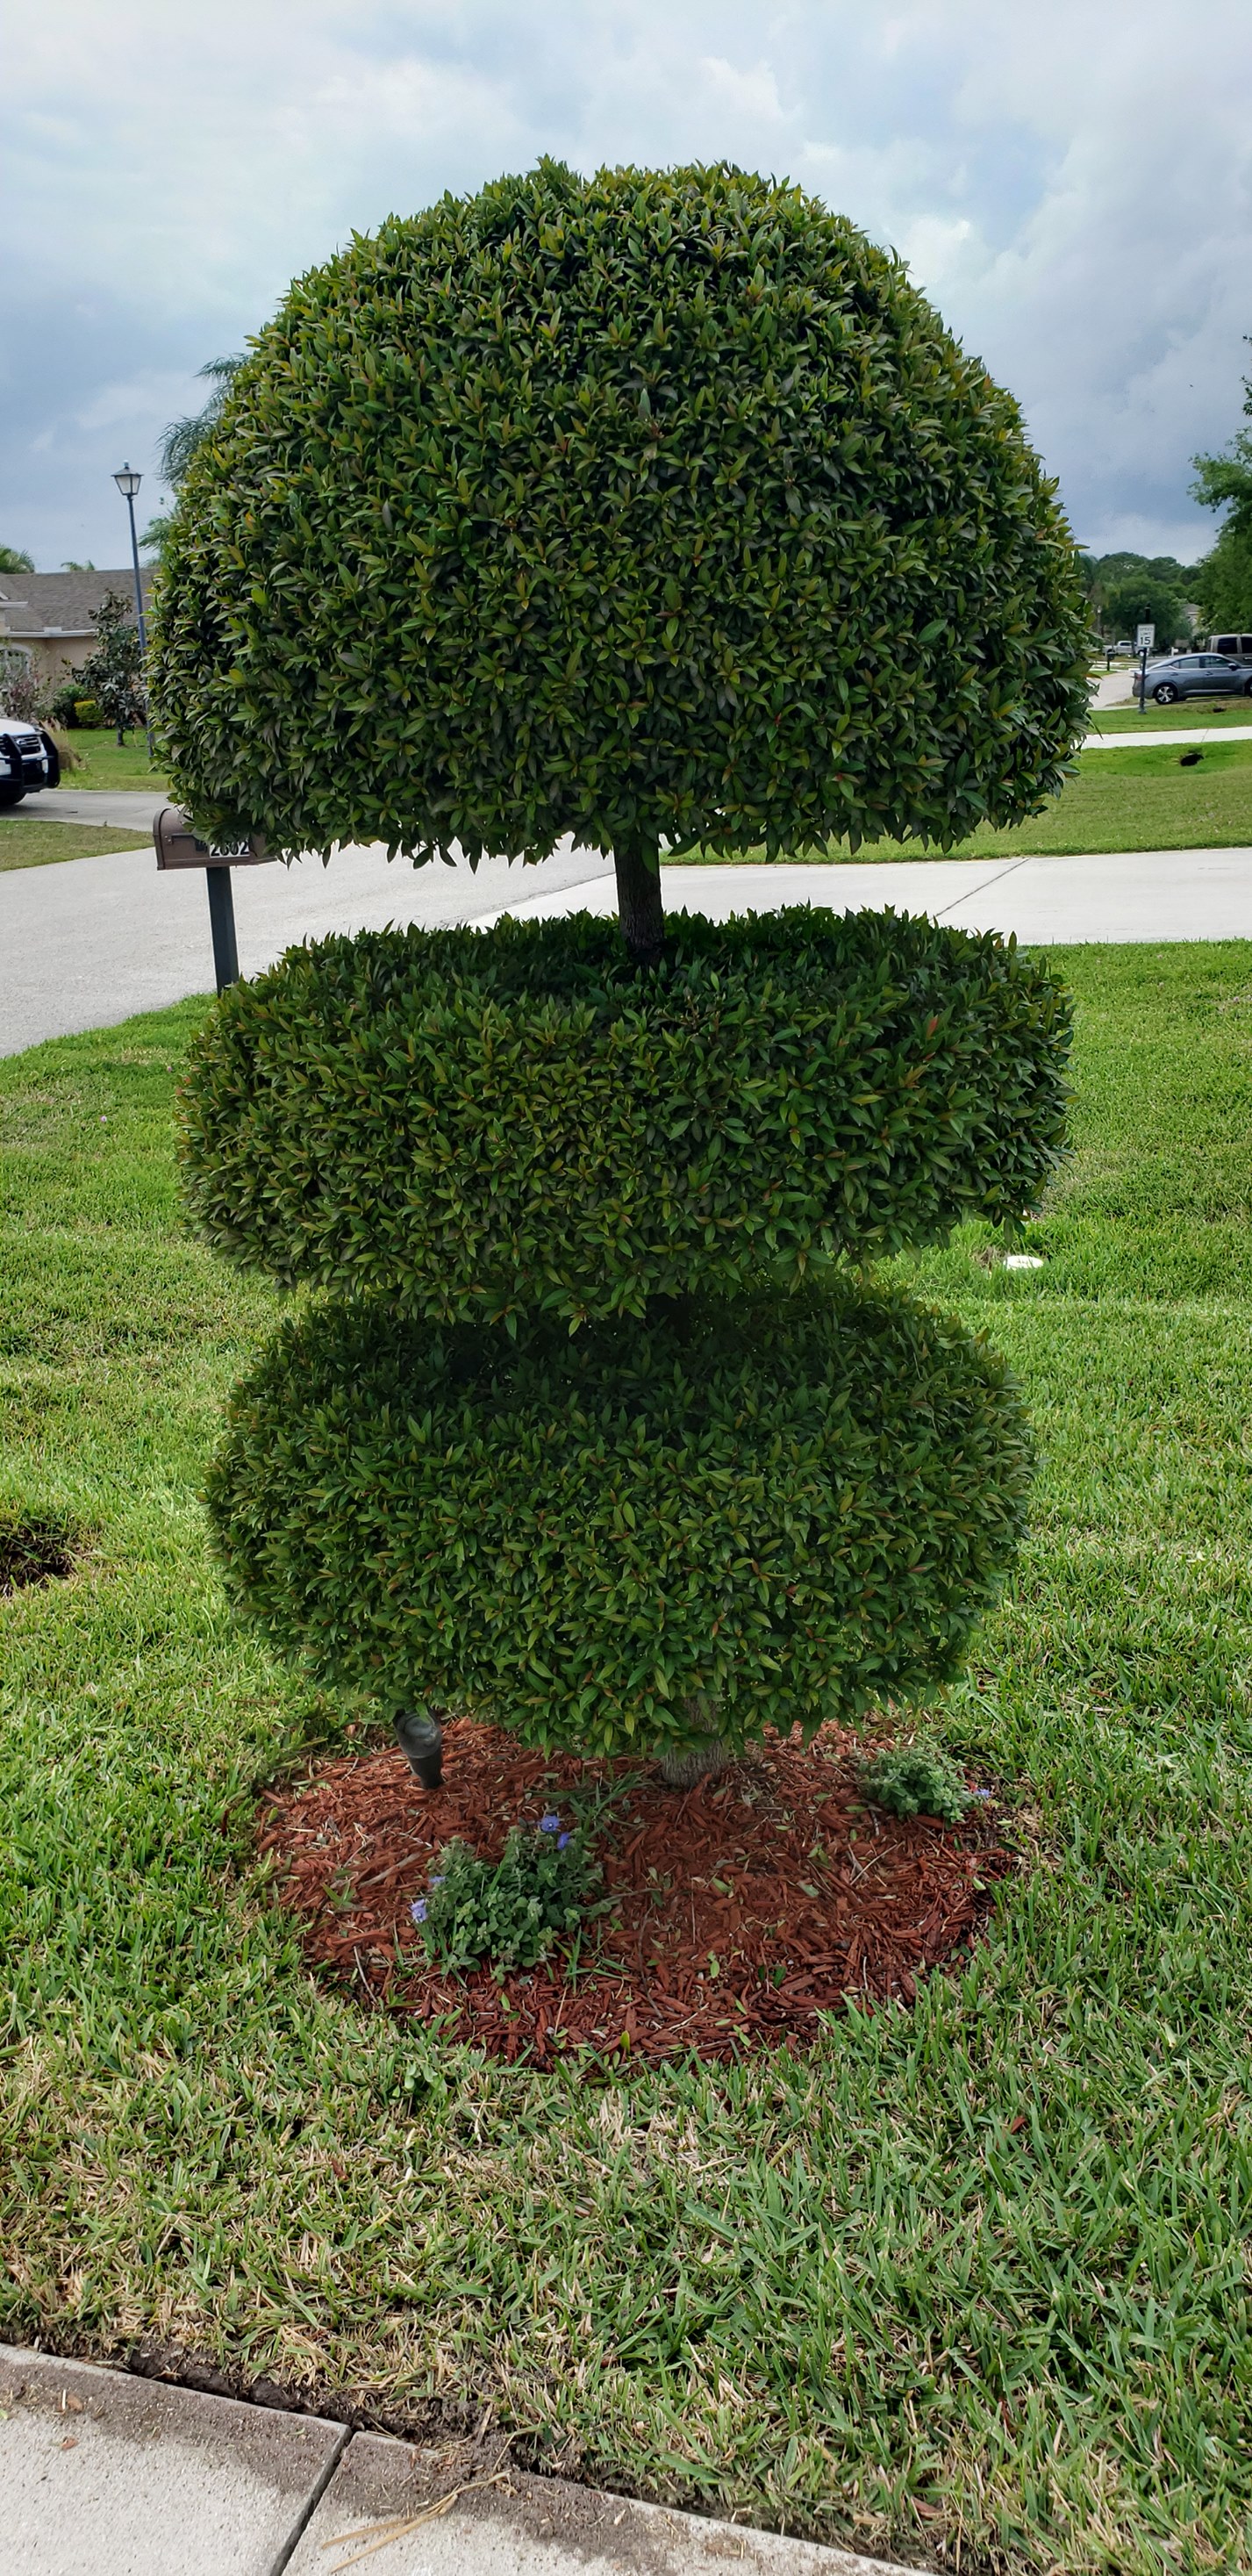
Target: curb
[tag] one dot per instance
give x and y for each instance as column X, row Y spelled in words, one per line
column 105, row 2473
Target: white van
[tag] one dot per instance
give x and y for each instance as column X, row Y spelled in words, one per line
column 1239, row 645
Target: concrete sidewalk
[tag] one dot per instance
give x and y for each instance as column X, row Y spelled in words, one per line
column 1156, row 738
column 86, row 942
column 1117, row 895
column 105, row 2474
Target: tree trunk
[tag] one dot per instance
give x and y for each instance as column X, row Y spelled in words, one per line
column 702, row 1754
column 640, row 909
column 689, row 1763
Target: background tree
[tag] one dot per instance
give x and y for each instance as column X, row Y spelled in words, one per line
column 21, row 695
column 1115, row 583
column 1223, row 580
column 180, row 443
column 15, row 559
column 113, row 674
column 661, row 510
column 1141, row 598
column 184, row 438
column 1123, row 566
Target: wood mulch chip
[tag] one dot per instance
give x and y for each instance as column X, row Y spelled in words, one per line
column 747, row 1906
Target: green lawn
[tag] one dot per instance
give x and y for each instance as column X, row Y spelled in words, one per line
column 28, row 841
column 100, row 761
column 1118, row 800
column 1185, row 718
column 971, row 2277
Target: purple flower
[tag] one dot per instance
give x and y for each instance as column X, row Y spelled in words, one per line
column 549, row 1824
column 436, row 1882
column 418, row 1909
column 562, row 1840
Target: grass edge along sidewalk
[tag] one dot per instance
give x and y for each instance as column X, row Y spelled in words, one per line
column 1139, row 797
column 967, row 2277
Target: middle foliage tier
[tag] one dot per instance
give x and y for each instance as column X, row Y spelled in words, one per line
column 781, row 1510
column 472, row 1124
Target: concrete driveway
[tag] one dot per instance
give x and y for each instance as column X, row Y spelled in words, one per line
column 86, row 942
column 1113, row 688
column 133, row 809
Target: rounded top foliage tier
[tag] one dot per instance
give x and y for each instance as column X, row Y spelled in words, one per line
column 652, row 507
column 472, row 1123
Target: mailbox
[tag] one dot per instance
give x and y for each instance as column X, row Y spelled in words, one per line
column 178, row 847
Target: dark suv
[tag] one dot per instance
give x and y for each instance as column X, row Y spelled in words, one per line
column 1195, row 675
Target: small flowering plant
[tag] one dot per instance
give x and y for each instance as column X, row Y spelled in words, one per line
column 510, row 1911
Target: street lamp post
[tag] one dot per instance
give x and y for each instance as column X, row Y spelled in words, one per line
column 128, row 483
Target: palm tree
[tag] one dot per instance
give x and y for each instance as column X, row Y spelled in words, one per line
column 181, row 440
column 183, row 437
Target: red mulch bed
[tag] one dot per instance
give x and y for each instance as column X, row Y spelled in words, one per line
column 749, row 1905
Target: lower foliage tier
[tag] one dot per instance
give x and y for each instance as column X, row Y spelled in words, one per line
column 717, row 1518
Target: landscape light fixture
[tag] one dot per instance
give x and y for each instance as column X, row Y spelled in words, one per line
column 128, row 483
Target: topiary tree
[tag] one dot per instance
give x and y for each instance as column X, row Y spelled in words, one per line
column 658, row 510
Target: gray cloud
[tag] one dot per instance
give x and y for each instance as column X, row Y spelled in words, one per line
column 1071, row 186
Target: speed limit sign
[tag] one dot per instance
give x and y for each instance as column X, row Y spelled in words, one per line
column 1145, row 638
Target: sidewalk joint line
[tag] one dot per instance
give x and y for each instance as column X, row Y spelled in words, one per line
column 287, row 2548
column 981, row 887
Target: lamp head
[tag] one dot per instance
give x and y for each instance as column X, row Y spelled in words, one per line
column 127, row 483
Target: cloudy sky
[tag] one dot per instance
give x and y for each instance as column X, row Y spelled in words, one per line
column 1071, row 184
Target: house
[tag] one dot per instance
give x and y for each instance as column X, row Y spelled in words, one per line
column 50, row 616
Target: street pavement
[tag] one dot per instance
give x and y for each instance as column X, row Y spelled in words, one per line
column 86, row 942
column 103, row 2473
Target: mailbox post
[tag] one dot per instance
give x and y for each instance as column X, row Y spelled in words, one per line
column 177, row 846
column 1145, row 638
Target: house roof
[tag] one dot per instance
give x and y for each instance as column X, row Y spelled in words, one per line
column 63, row 603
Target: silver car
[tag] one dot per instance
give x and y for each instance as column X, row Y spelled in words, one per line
column 1195, row 675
